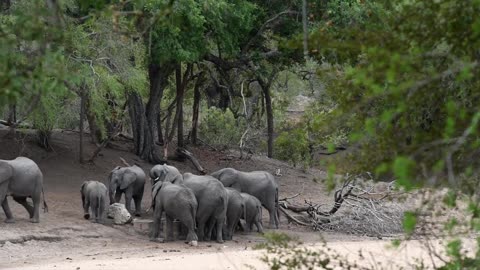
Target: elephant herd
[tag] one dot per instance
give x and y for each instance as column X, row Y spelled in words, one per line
column 207, row 206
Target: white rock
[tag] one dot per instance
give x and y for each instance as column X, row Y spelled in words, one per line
column 119, row 213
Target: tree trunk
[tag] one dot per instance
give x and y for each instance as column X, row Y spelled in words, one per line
column 95, row 133
column 268, row 105
column 196, row 108
column 266, row 85
column 143, row 118
column 82, row 116
column 179, row 113
column 159, row 129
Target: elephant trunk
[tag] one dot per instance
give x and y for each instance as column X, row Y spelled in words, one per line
column 111, row 192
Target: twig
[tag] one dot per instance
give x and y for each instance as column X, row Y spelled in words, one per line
column 124, row 161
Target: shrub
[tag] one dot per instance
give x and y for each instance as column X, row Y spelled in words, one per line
column 293, row 146
column 220, row 128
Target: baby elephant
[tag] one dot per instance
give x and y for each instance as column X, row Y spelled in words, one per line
column 94, row 196
column 253, row 213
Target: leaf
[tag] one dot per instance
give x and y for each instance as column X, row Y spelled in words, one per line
column 402, row 169
column 450, row 199
column 409, row 222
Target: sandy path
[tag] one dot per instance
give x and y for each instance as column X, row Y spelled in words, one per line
column 376, row 255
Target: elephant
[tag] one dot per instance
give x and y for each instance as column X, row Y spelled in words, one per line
column 235, row 210
column 94, row 197
column 260, row 184
column 212, row 201
column 128, row 180
column 178, row 202
column 253, row 213
column 21, row 178
column 166, row 173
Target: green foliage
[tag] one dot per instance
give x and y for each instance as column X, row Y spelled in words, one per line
column 284, row 252
column 292, row 146
column 409, row 222
column 412, row 97
column 32, row 61
column 194, row 28
column 220, row 128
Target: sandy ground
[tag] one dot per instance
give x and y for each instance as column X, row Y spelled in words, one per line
column 64, row 240
column 375, row 255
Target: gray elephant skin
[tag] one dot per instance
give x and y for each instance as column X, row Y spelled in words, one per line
column 166, row 173
column 212, row 201
column 94, row 198
column 235, row 210
column 21, row 178
column 253, row 213
column 260, row 184
column 178, row 202
column 129, row 181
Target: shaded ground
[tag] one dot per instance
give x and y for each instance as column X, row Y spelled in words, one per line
column 64, row 236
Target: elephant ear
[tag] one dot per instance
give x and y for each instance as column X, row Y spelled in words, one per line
column 6, row 171
column 128, row 178
column 83, row 186
column 156, row 187
column 173, row 175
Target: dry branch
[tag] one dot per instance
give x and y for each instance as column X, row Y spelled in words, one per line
column 124, row 162
column 292, row 218
column 366, row 211
column 184, row 153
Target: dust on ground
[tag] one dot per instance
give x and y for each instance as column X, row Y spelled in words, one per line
column 63, row 236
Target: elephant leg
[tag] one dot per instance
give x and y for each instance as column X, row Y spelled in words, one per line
column 258, row 224
column 191, row 235
column 209, row 229
column 242, row 226
column 138, row 204
column 7, row 211
column 94, row 206
column 4, row 202
column 273, row 217
column 219, row 225
column 201, row 228
column 86, row 207
column 23, row 201
column 36, row 198
column 169, row 229
column 101, row 211
column 157, row 220
column 128, row 201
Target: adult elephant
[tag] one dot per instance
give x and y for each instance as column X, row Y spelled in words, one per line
column 129, row 181
column 212, row 201
column 21, row 178
column 260, row 184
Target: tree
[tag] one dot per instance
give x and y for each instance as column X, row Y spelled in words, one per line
column 409, row 91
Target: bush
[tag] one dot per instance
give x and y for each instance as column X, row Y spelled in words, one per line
column 293, row 146
column 220, row 128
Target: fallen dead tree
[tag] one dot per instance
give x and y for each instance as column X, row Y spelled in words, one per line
column 365, row 211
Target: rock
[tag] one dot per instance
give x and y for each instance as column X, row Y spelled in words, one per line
column 119, row 213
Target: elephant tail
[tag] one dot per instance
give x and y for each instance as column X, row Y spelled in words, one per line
column 45, row 206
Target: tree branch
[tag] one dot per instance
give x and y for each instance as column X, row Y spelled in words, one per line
column 265, row 26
